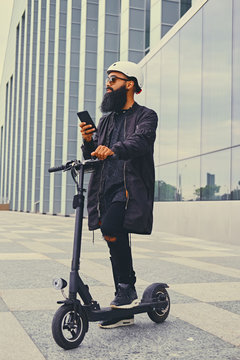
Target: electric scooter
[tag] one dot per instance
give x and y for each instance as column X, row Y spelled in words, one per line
column 71, row 320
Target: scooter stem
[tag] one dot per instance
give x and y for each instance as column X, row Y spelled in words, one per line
column 78, row 204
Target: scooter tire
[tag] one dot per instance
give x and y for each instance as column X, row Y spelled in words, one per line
column 154, row 293
column 68, row 327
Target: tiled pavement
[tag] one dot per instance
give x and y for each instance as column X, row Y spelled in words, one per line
column 204, row 280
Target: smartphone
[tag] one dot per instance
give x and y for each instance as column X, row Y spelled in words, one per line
column 85, row 117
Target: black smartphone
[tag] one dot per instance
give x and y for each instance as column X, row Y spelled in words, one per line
column 85, row 117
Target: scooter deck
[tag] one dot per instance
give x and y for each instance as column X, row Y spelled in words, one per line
column 109, row 313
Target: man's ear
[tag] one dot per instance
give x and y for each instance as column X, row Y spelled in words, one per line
column 130, row 84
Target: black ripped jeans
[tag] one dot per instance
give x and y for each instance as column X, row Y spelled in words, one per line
column 121, row 256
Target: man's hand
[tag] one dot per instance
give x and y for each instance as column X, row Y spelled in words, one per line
column 102, row 152
column 87, row 131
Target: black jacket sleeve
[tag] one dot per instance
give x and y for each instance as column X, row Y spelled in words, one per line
column 141, row 141
column 90, row 146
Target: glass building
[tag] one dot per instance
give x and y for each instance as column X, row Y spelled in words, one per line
column 55, row 65
column 193, row 83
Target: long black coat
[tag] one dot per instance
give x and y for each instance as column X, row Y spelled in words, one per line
column 137, row 150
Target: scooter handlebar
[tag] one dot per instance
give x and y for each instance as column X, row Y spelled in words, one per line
column 87, row 164
column 57, row 168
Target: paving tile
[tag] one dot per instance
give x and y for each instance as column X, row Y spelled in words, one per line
column 216, row 321
column 39, row 247
column 22, row 256
column 210, row 292
column 22, row 274
column 199, row 253
column 31, row 299
column 22, row 344
column 3, row 306
column 227, row 261
column 233, row 306
column 205, row 266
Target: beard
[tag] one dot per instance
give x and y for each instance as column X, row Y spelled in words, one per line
column 114, row 100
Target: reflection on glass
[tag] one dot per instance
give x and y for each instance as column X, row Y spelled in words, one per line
column 217, row 61
column 190, row 88
column 152, row 99
column 169, row 101
column 235, row 179
column 185, row 6
column 189, row 179
column 170, row 12
column 236, row 75
column 215, row 176
column 165, row 29
column 166, row 183
column 141, row 98
column 152, row 85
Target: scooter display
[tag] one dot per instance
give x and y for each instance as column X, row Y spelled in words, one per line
column 70, row 322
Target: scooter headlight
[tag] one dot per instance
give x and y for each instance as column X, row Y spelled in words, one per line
column 59, row 283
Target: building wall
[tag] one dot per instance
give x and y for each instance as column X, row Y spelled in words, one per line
column 192, row 81
column 56, row 61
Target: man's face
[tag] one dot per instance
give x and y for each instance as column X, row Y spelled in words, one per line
column 116, row 93
column 115, row 80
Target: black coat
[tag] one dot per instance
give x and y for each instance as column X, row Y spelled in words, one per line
column 137, row 150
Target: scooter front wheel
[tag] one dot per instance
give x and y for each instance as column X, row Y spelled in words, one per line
column 69, row 327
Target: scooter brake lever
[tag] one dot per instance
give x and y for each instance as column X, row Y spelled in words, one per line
column 70, row 164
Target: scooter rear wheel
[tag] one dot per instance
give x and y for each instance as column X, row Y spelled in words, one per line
column 156, row 292
column 69, row 327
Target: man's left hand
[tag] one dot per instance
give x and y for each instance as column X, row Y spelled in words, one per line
column 102, row 152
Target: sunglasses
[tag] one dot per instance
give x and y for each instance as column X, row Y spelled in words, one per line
column 113, row 78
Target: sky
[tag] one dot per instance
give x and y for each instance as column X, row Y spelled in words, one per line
column 5, row 18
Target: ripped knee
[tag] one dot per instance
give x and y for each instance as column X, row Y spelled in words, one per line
column 110, row 238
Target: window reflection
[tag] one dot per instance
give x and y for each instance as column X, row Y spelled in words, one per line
column 190, row 88
column 235, row 183
column 153, row 94
column 217, row 61
column 166, row 183
column 169, row 101
column 189, row 179
column 152, row 87
column 236, row 75
column 193, row 101
column 185, row 6
column 170, row 12
column 215, row 176
column 165, row 29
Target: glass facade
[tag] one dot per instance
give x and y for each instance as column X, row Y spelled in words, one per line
column 193, row 84
column 59, row 54
column 172, row 10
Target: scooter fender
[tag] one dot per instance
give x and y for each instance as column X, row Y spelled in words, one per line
column 147, row 295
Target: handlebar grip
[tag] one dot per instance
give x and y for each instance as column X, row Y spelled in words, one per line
column 58, row 168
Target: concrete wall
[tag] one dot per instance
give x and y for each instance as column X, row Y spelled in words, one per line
column 211, row 220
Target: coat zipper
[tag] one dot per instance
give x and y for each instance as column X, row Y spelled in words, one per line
column 100, row 188
column 124, row 170
column 125, row 185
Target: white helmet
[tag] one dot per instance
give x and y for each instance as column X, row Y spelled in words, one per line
column 130, row 69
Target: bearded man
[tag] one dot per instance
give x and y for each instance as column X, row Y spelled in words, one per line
column 121, row 190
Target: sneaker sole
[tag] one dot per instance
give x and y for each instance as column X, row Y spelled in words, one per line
column 126, row 322
column 126, row 306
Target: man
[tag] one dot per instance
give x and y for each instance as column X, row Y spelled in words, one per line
column 121, row 190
